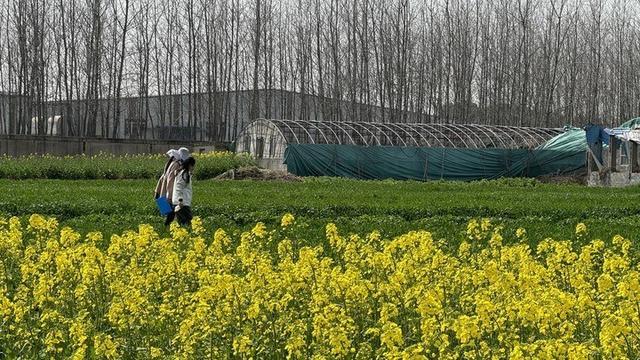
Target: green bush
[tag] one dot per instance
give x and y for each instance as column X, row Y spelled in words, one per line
column 106, row 166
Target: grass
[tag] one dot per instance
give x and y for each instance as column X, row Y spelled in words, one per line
column 394, row 207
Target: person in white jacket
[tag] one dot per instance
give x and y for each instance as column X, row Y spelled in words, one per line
column 183, row 192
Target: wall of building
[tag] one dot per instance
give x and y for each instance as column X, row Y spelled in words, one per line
column 621, row 178
column 19, row 145
column 272, row 164
column 197, row 117
column 219, row 116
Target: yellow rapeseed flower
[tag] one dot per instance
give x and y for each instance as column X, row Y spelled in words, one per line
column 266, row 293
column 287, row 220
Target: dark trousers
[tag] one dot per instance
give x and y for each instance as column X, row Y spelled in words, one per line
column 184, row 215
column 170, row 217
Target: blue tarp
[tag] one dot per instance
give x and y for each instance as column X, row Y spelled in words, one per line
column 595, row 134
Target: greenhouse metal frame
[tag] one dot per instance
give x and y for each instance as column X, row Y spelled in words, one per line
column 268, row 138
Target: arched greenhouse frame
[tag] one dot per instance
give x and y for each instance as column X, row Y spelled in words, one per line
column 268, row 138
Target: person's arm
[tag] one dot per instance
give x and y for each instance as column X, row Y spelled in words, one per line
column 178, row 190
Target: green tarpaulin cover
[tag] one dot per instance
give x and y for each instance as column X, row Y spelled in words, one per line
column 564, row 153
column 631, row 124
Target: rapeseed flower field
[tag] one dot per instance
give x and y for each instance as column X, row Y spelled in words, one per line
column 262, row 294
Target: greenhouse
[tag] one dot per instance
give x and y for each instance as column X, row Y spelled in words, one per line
column 410, row 150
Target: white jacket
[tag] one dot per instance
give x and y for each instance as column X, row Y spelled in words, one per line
column 182, row 190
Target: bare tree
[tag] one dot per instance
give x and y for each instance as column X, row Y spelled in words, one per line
column 208, row 66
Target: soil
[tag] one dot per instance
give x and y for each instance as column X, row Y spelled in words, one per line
column 255, row 173
column 576, row 178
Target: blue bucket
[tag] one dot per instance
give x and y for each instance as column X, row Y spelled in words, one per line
column 163, row 205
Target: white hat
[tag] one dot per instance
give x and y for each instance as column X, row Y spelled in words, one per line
column 183, row 153
column 173, row 153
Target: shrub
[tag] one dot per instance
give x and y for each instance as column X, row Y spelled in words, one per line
column 107, row 166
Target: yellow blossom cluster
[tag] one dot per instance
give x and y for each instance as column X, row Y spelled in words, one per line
column 215, row 154
column 260, row 295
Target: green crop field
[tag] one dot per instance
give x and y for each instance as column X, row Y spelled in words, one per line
column 350, row 275
column 393, row 207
